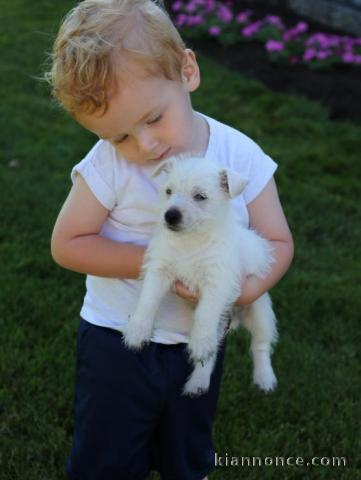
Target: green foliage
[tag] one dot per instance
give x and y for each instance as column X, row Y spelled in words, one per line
column 315, row 410
column 267, row 32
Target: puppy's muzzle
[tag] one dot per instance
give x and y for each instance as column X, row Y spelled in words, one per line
column 173, row 218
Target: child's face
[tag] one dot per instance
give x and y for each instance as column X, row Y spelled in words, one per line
column 151, row 119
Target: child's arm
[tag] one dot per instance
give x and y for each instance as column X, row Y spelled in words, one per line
column 77, row 245
column 267, row 218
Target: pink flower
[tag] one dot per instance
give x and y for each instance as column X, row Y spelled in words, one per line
column 274, row 46
column 214, row 31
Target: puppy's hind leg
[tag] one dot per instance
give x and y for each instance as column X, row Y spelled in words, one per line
column 259, row 319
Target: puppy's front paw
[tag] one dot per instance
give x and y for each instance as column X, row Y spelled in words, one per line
column 136, row 335
column 190, row 391
column 196, row 386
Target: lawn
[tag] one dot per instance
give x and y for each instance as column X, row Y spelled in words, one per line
column 315, row 412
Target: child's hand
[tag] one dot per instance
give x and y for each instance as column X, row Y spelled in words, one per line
column 250, row 291
column 180, row 289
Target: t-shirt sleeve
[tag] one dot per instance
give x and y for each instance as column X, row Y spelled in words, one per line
column 97, row 170
column 260, row 171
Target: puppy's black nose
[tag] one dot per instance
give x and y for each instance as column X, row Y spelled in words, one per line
column 173, row 216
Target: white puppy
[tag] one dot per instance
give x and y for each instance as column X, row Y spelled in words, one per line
column 201, row 242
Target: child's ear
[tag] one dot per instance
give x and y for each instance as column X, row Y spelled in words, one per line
column 231, row 182
column 190, row 71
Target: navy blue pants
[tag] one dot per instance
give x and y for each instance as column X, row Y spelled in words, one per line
column 130, row 416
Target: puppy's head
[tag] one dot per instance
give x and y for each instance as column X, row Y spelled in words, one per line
column 196, row 193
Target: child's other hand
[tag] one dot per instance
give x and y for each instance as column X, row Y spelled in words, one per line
column 180, row 289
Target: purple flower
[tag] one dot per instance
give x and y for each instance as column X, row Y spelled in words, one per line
column 309, row 54
column 214, row 31
column 324, row 54
column 212, row 14
column 301, row 27
column 348, row 44
column 210, row 5
column 274, row 46
column 251, row 29
column 274, row 20
column 242, row 17
column 177, row 6
column 224, row 13
column 180, row 20
column 191, row 7
column 320, row 38
column 288, row 35
column 333, row 41
column 194, row 20
column 348, row 57
column 294, row 32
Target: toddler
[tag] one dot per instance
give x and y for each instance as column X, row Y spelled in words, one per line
column 122, row 71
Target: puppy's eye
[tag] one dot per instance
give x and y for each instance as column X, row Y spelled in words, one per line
column 199, row 197
column 168, row 191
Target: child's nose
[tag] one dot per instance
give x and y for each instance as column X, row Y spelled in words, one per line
column 146, row 141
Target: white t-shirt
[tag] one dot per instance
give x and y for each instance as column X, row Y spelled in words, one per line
column 131, row 195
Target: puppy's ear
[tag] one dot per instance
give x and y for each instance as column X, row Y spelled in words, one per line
column 231, row 182
column 164, row 166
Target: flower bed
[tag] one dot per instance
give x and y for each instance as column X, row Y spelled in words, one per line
column 295, row 45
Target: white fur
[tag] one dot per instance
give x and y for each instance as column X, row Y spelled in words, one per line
column 209, row 251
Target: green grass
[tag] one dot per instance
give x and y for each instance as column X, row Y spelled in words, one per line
column 315, row 410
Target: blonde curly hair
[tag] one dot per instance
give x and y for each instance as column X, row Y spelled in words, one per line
column 95, row 42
